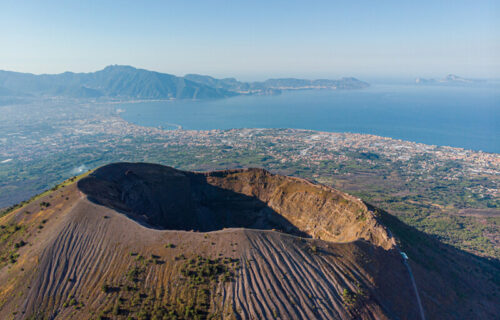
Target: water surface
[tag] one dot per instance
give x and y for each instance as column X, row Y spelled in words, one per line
column 455, row 116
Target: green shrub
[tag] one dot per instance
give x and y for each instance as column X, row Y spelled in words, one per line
column 105, row 288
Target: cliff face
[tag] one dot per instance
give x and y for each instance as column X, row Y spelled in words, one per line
column 151, row 242
column 318, row 211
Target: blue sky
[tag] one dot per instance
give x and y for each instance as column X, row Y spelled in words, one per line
column 254, row 39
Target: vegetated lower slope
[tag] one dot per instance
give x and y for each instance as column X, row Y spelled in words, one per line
column 151, row 242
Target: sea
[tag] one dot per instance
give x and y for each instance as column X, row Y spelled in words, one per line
column 458, row 116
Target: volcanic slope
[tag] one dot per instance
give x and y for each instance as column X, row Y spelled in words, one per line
column 145, row 241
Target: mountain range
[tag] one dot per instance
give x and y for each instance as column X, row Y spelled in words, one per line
column 146, row 241
column 126, row 82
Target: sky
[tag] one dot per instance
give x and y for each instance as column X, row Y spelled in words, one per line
column 256, row 39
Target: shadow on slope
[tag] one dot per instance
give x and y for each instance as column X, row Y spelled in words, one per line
column 450, row 280
column 164, row 198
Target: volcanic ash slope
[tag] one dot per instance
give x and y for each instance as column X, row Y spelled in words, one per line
column 150, row 242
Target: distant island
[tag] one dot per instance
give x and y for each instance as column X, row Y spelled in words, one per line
column 126, row 82
column 450, row 79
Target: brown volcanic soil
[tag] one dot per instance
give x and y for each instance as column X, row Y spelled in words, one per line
column 142, row 240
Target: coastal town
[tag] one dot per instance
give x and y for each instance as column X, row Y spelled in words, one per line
column 438, row 189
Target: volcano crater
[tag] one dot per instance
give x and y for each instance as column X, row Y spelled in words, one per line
column 165, row 198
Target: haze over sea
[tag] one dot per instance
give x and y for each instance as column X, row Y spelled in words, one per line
column 457, row 116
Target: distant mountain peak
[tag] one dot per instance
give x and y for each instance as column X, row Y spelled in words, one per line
column 119, row 67
column 453, row 77
column 448, row 79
